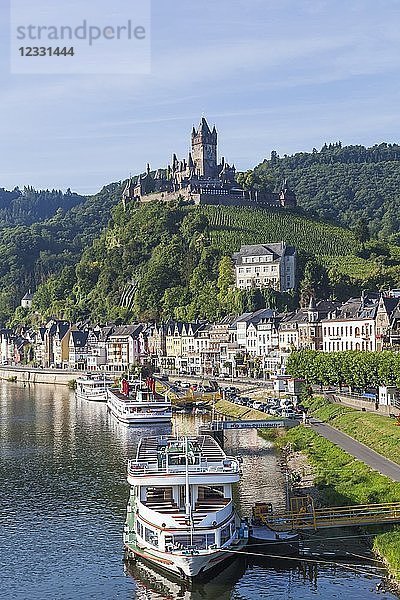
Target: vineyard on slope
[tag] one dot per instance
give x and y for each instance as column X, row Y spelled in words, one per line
column 232, row 226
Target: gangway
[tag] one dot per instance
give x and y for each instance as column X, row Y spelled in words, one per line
column 304, row 516
column 222, row 425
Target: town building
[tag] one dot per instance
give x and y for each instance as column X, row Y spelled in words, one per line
column 266, row 265
column 302, row 329
column 7, row 340
column 78, row 350
column 254, row 344
column 386, row 321
column 123, row 348
column 352, row 326
column 394, row 330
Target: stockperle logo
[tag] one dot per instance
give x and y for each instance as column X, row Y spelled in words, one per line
column 49, row 36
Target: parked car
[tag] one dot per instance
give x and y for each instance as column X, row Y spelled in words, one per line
column 231, row 390
column 286, row 402
column 257, row 404
column 288, row 414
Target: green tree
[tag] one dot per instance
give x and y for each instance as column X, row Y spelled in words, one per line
column 361, row 231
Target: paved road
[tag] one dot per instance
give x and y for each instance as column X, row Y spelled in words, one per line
column 358, row 450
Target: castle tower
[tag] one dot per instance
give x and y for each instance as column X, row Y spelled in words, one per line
column 204, row 150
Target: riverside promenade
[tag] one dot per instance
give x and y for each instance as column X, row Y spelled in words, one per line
column 33, row 375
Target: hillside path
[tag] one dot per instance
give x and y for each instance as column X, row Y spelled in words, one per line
column 360, row 451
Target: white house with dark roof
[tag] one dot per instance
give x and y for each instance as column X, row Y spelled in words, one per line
column 266, row 265
column 26, row 301
column 123, row 347
column 352, row 326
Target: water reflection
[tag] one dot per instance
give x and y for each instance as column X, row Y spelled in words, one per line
column 63, row 495
column 154, row 585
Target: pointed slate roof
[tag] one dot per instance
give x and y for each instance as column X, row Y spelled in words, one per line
column 203, row 127
column 79, row 338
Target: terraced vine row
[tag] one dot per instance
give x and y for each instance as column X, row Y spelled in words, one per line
column 232, row 226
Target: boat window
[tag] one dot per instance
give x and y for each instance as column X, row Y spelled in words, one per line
column 180, row 459
column 150, row 536
column 158, row 494
column 208, row 493
column 139, row 528
column 225, row 534
column 200, row 542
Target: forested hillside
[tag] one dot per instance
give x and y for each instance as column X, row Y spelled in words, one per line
column 343, row 184
column 30, row 253
column 29, row 205
column 161, row 261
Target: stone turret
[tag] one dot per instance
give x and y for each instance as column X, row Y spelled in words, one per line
column 287, row 197
column 312, row 312
column 129, row 192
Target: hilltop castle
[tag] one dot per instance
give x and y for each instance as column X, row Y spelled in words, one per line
column 201, row 179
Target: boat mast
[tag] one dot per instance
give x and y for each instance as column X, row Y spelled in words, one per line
column 187, row 503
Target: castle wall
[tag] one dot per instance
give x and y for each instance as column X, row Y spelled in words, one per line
column 168, row 196
column 214, row 199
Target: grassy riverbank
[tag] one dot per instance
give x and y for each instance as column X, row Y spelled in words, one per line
column 230, row 409
column 342, row 480
column 375, row 431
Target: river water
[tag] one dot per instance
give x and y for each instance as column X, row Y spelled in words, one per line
column 62, row 505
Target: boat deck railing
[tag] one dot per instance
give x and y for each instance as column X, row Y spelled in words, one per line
column 136, row 400
column 229, row 465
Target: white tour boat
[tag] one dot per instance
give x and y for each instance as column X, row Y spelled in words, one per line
column 138, row 403
column 181, row 516
column 93, row 387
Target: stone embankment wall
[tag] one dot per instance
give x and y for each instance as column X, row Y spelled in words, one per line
column 27, row 375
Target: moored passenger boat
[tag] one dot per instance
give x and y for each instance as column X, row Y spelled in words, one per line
column 93, row 387
column 138, row 403
column 181, row 515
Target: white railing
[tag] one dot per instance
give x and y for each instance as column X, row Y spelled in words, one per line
column 228, row 465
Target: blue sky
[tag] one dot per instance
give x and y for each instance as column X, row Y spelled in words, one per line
column 283, row 76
